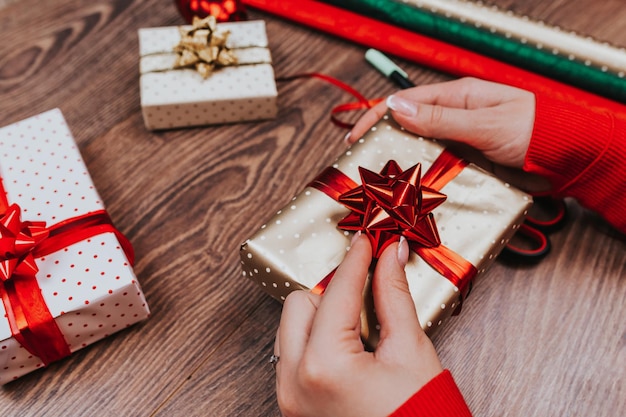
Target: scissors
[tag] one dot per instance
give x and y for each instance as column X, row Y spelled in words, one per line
column 534, row 231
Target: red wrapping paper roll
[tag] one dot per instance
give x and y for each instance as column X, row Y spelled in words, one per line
column 426, row 51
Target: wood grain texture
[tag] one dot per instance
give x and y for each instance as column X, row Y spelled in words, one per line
column 531, row 341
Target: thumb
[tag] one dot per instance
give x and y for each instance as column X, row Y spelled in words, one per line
column 395, row 308
column 402, row 339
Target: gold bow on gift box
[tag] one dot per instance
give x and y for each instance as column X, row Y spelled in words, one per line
column 203, row 47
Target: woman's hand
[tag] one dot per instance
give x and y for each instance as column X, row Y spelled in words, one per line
column 323, row 368
column 495, row 119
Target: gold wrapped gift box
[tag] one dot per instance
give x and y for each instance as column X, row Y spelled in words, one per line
column 300, row 245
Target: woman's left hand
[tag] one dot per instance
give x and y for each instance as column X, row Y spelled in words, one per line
column 324, row 369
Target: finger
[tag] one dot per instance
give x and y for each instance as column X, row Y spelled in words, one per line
column 437, row 121
column 277, row 354
column 502, row 138
column 395, row 308
column 296, row 319
column 464, row 93
column 366, row 121
column 277, row 343
column 340, row 307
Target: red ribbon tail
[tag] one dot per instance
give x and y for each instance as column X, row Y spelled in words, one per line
column 321, row 286
column 30, row 321
column 450, row 264
column 333, row 183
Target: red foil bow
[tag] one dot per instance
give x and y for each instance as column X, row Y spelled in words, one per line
column 398, row 203
column 223, row 10
column 17, row 242
column 391, row 204
column 30, row 320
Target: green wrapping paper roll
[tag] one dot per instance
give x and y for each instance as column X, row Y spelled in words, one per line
column 478, row 39
column 566, row 43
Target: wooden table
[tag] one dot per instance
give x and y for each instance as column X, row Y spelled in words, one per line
column 543, row 340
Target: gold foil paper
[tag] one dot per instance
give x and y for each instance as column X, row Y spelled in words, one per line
column 301, row 243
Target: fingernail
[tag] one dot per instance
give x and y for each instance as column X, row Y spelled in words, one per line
column 402, row 106
column 403, row 251
column 355, row 237
column 346, row 138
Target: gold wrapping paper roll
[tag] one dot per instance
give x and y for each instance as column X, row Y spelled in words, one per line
column 301, row 243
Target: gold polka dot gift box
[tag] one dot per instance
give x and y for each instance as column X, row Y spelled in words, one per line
column 455, row 216
column 205, row 74
column 66, row 277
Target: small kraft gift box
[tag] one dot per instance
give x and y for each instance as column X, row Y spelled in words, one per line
column 66, row 277
column 207, row 73
column 456, row 217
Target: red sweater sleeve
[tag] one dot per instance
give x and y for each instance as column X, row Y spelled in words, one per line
column 582, row 152
column 440, row 397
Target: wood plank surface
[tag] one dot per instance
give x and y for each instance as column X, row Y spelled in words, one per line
column 541, row 340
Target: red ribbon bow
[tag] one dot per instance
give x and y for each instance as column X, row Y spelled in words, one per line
column 30, row 320
column 398, row 203
column 17, row 242
column 223, row 10
column 391, row 204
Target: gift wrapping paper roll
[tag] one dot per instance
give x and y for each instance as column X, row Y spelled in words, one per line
column 427, row 51
column 574, row 46
column 414, row 15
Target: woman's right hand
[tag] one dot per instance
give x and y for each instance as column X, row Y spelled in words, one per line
column 495, row 119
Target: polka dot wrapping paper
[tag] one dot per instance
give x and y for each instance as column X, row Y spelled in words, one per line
column 183, row 98
column 89, row 287
column 301, row 244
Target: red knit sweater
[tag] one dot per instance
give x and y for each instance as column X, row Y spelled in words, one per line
column 582, row 153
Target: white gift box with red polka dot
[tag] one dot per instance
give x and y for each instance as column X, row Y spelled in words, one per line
column 89, row 287
column 183, row 98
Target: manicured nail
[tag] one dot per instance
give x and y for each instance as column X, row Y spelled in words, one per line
column 355, row 237
column 403, row 251
column 402, row 106
column 346, row 138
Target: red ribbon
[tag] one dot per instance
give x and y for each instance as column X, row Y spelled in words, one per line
column 30, row 320
column 362, row 103
column 398, row 203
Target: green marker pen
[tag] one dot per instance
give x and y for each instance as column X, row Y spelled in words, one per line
column 388, row 68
